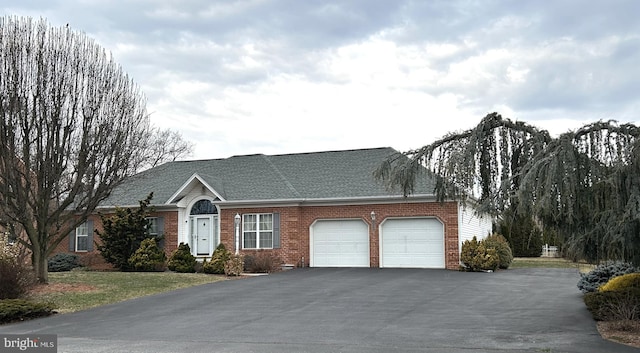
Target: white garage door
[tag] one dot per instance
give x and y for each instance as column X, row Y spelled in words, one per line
column 339, row 243
column 412, row 243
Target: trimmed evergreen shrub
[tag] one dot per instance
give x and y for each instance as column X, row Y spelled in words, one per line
column 591, row 281
column 234, row 266
column 614, row 305
column 20, row 309
column 148, row 258
column 63, row 262
column 182, row 260
column 219, row 258
column 498, row 242
column 476, row 256
column 630, row 280
column 123, row 232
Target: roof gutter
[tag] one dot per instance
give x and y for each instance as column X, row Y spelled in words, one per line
column 331, row 201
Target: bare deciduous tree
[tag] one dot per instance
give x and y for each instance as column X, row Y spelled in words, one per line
column 166, row 146
column 74, row 125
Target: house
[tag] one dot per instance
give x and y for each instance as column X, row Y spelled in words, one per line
column 321, row 209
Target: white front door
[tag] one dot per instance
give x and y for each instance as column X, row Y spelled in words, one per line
column 202, row 234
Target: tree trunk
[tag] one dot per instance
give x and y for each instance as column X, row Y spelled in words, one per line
column 39, row 262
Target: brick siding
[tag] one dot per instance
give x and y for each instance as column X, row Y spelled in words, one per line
column 295, row 223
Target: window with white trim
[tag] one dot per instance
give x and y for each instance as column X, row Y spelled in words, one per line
column 257, row 231
column 82, row 237
column 152, row 226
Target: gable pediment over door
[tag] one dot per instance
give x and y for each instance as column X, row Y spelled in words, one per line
column 194, row 186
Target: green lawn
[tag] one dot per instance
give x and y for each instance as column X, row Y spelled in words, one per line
column 79, row 290
column 549, row 262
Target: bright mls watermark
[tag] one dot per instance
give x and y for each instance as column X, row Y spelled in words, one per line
column 29, row 343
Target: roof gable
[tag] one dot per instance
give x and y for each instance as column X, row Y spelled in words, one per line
column 194, row 181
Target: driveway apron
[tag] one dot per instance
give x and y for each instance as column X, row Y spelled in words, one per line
column 344, row 310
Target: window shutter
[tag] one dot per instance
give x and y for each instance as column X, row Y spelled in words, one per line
column 160, row 226
column 240, row 234
column 276, row 230
column 72, row 240
column 89, row 235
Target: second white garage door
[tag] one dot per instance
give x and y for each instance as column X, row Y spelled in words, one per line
column 339, row 243
column 412, row 243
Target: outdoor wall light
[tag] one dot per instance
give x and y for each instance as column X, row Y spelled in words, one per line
column 237, row 222
column 373, row 219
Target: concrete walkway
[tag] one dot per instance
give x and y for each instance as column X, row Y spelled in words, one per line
column 345, row 310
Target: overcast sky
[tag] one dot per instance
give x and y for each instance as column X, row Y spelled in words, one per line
column 274, row 77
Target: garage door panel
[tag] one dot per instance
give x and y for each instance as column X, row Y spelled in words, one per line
column 340, row 243
column 412, row 243
column 340, row 248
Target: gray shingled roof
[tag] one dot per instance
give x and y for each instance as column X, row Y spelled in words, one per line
column 321, row 175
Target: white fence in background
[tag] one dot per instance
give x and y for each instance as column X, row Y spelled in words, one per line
column 549, row 251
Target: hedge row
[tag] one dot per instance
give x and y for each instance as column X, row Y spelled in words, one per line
column 20, row 309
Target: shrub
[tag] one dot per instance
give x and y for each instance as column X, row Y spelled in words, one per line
column 20, row 309
column 15, row 277
column 148, row 258
column 500, row 244
column 219, row 258
column 123, row 232
column 262, row 262
column 630, row 280
column 181, row 260
column 591, row 281
column 234, row 266
column 476, row 256
column 63, row 262
column 614, row 305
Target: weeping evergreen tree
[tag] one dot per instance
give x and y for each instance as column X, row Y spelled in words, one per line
column 584, row 184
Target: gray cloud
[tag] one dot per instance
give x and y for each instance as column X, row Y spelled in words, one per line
column 570, row 57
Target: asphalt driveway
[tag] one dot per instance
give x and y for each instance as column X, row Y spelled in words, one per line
column 344, row 310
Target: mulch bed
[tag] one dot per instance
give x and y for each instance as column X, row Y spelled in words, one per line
column 625, row 332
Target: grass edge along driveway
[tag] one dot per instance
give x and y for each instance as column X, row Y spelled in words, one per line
column 79, row 290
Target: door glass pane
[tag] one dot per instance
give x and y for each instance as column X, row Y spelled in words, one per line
column 216, row 236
